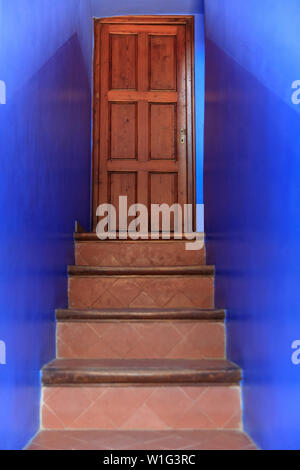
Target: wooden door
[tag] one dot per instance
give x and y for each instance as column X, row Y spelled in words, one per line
column 143, row 111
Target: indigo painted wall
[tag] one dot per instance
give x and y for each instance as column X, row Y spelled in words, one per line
column 252, row 202
column 44, row 186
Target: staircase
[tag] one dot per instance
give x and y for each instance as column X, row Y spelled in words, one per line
column 140, row 354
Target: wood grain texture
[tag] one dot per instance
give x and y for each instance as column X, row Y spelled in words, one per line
column 123, row 131
column 141, row 102
column 162, row 131
column 163, row 62
column 123, row 61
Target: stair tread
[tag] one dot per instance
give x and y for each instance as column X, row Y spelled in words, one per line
column 140, row 314
column 203, row 270
column 120, row 371
column 178, row 439
column 92, row 236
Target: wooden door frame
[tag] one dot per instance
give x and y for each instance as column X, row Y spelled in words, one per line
column 189, row 22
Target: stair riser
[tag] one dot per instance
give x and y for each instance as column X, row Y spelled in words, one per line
column 141, row 340
column 142, row 254
column 141, row 408
column 141, row 292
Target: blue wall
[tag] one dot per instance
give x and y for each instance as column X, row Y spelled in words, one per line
column 103, row 8
column 44, row 187
column 252, row 202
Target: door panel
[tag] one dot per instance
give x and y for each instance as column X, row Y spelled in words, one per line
column 123, row 128
column 163, row 62
column 162, row 131
column 141, row 113
column 163, row 188
column 123, row 61
column 122, row 184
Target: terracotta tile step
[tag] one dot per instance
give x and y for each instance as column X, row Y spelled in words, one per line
column 140, row 314
column 64, row 372
column 90, row 271
column 144, row 408
column 140, row 291
column 136, row 253
column 142, row 440
column 141, row 339
column 92, row 236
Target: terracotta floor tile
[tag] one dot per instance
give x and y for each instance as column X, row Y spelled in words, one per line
column 143, row 440
column 144, row 408
column 161, row 417
column 137, row 254
column 164, row 339
column 141, row 291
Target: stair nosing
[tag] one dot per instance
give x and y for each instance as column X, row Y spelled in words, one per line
column 92, row 271
column 92, row 237
column 132, row 372
column 98, row 315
